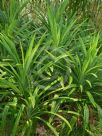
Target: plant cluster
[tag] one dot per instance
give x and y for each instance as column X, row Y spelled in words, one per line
column 50, row 69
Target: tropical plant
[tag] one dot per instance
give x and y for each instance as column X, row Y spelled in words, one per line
column 50, row 68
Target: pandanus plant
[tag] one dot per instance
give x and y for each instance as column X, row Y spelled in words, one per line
column 49, row 72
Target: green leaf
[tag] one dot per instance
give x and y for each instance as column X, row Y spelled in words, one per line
column 31, row 52
column 49, row 125
column 28, row 132
column 24, row 129
column 4, row 120
column 86, row 116
column 91, row 99
column 89, row 83
column 99, row 113
column 10, row 47
column 15, row 127
column 61, row 117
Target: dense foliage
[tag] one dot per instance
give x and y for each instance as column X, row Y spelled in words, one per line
column 50, row 68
